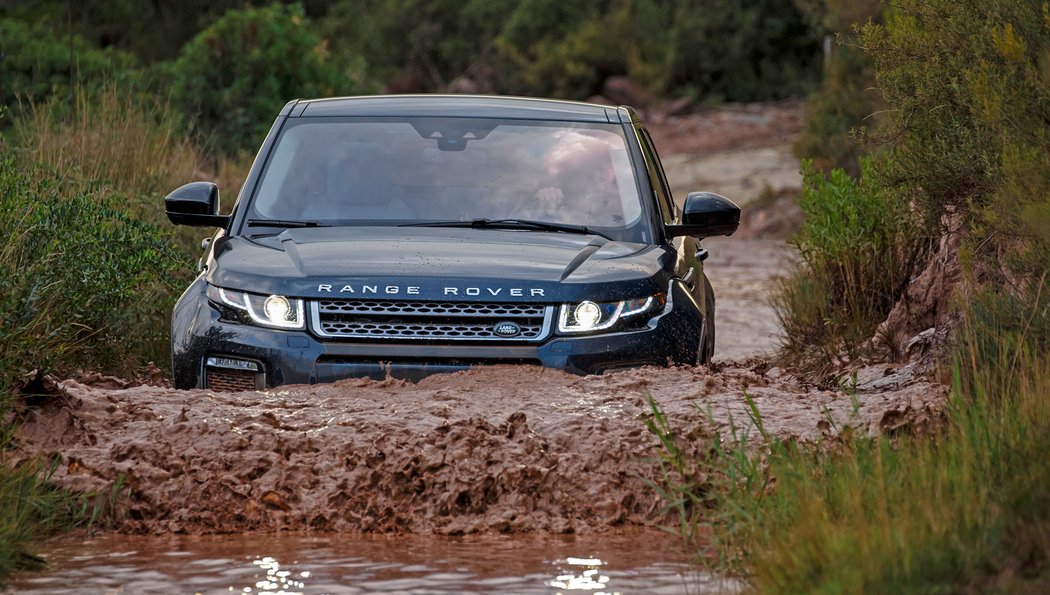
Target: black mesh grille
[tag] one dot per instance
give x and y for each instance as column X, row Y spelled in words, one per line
column 417, row 320
column 219, row 379
column 431, row 308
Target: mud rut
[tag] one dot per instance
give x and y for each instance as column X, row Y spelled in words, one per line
column 503, row 448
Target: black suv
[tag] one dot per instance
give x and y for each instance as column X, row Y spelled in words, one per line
column 409, row 235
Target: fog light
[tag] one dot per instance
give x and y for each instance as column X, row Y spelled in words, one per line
column 230, row 363
column 588, row 314
column 277, row 308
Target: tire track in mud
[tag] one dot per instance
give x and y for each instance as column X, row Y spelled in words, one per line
column 495, row 449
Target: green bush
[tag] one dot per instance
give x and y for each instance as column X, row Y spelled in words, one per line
column 567, row 50
column 37, row 64
column 81, row 282
column 742, row 50
column 857, row 249
column 236, row 74
column 417, row 44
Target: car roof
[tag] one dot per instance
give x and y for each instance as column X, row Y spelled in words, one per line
column 469, row 106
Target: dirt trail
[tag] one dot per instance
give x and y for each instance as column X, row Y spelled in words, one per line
column 512, row 449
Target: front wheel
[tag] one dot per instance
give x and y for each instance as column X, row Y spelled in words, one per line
column 707, row 341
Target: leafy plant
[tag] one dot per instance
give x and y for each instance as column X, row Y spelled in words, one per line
column 857, row 250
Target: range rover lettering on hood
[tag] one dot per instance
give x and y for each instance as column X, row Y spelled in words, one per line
column 414, row 290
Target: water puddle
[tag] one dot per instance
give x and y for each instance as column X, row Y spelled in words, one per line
column 635, row 561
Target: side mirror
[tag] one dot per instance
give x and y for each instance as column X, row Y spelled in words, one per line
column 197, row 204
column 707, row 214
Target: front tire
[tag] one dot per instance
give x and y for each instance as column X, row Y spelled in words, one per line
column 707, row 342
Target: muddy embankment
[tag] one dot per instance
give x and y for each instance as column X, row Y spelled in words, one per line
column 502, row 448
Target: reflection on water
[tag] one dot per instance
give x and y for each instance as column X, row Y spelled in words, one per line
column 637, row 561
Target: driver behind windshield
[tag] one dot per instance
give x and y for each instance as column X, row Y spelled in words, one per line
column 581, row 188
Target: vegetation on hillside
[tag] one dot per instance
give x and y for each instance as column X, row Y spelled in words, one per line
column 235, row 75
column 965, row 148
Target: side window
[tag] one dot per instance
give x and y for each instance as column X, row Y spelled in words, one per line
column 656, row 177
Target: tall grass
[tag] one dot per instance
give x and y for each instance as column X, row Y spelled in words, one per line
column 88, row 266
column 965, row 509
column 137, row 146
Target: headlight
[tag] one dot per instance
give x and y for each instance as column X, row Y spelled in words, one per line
column 595, row 316
column 275, row 311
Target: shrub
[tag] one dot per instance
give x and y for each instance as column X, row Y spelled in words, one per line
column 236, row 74
column 413, row 44
column 81, row 282
column 857, row 248
column 37, row 64
column 758, row 49
column 746, row 50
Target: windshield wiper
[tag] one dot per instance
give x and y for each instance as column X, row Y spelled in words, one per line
column 526, row 224
column 284, row 223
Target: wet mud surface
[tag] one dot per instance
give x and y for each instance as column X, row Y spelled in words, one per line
column 743, row 273
column 629, row 561
column 506, row 449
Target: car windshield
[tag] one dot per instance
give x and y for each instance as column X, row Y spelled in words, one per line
column 404, row 171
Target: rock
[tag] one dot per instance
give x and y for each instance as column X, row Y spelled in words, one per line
column 926, row 303
column 599, row 99
column 624, row 90
column 677, row 107
column 463, row 85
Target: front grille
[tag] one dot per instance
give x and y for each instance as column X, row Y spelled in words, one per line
column 434, row 321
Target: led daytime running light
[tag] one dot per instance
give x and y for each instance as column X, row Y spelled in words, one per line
column 276, row 311
column 587, row 316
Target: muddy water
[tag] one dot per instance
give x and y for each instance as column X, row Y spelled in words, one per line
column 635, row 561
column 742, row 273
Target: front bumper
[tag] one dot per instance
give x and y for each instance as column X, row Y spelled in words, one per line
column 298, row 357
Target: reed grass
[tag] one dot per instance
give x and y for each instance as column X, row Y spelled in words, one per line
column 138, row 146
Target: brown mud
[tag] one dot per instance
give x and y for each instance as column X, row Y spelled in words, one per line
column 495, row 449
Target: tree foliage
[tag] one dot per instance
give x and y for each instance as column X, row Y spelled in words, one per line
column 969, row 82
column 36, row 64
column 845, row 106
column 236, row 74
column 965, row 144
column 739, row 51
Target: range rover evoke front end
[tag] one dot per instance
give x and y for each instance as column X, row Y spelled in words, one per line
column 410, row 235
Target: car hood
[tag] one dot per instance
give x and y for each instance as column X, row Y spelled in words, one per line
column 439, row 263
